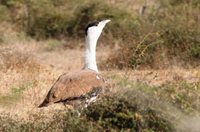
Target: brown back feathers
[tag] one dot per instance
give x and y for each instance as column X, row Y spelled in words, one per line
column 72, row 85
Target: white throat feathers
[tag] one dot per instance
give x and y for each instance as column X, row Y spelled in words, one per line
column 93, row 32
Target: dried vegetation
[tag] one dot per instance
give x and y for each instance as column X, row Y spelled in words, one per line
column 38, row 44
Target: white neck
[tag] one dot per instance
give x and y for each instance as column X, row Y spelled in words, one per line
column 90, row 54
column 92, row 36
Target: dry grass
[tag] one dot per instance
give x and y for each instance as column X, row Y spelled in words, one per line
column 23, row 78
column 35, row 69
column 159, row 77
column 28, row 71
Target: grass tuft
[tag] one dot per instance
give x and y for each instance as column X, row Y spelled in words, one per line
column 15, row 94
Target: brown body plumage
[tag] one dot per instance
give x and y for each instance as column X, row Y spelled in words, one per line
column 72, row 86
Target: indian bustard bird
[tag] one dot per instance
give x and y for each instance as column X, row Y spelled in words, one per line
column 74, row 85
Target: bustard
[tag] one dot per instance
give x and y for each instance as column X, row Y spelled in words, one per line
column 72, row 86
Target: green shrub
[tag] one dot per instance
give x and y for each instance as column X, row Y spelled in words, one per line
column 99, row 10
column 45, row 20
column 163, row 33
column 10, row 3
column 4, row 13
column 130, row 110
column 179, row 2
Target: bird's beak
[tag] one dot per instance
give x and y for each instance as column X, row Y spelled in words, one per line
column 106, row 21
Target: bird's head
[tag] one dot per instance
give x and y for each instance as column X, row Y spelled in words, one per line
column 94, row 29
